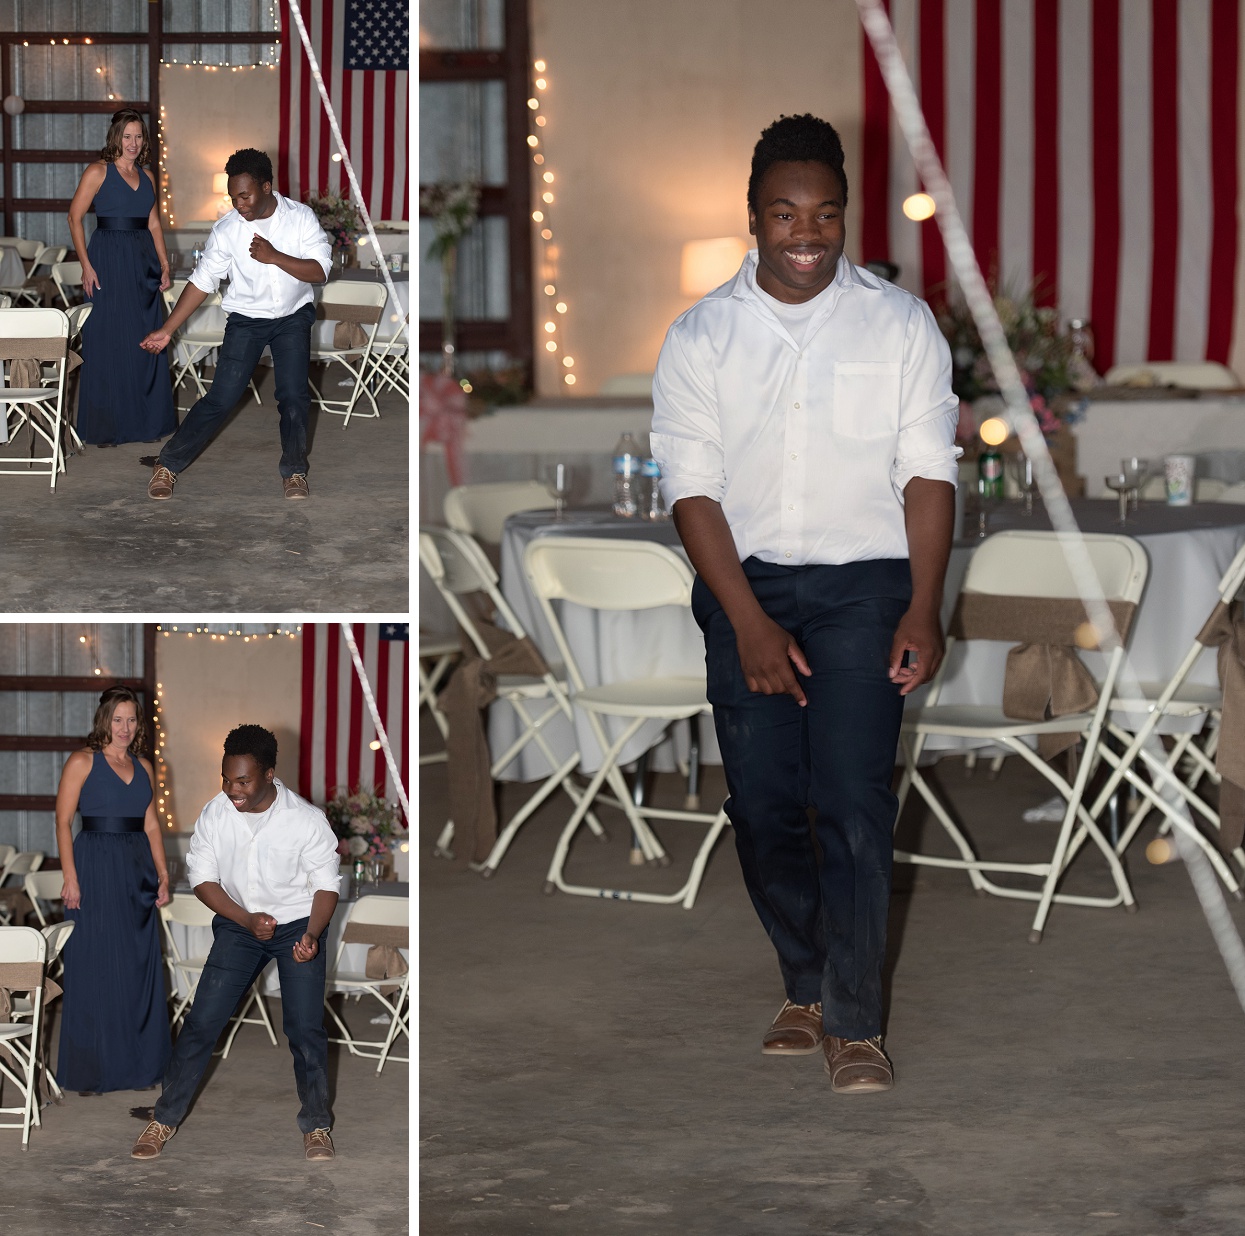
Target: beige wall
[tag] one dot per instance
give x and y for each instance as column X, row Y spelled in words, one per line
column 210, row 113
column 211, row 686
column 654, row 107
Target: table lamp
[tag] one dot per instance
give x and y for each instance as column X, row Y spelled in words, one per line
column 707, row 264
column 220, row 184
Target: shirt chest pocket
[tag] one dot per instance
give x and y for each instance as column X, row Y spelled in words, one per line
column 281, row 867
column 866, row 399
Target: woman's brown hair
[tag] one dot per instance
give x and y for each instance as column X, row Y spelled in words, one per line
column 101, row 728
column 112, row 143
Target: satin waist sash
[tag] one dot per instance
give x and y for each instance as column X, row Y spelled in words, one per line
column 112, row 823
column 119, row 224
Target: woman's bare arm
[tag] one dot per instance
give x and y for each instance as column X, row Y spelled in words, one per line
column 83, row 196
column 73, row 777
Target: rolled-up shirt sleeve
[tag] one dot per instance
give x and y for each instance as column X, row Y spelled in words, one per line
column 930, row 411
column 686, row 439
column 320, row 860
column 213, row 266
column 201, row 864
column 314, row 243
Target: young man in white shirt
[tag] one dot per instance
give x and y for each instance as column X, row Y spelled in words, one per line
column 272, row 250
column 267, row 863
column 804, row 425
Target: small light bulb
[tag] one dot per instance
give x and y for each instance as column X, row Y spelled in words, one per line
column 549, row 289
column 533, row 104
column 918, row 207
column 539, row 66
column 374, row 744
column 568, row 361
column 569, row 379
column 561, row 306
column 550, row 327
column 540, row 120
column 546, row 197
column 538, row 159
column 533, row 140
column 546, row 234
column 548, row 178
column 538, row 215
column 551, row 346
column 994, row 431
column 541, row 83
column 337, row 157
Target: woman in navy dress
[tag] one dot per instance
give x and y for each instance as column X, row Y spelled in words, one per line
column 124, row 393
column 114, row 1022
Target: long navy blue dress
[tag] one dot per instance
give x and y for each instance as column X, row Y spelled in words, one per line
column 124, row 393
column 114, row 1022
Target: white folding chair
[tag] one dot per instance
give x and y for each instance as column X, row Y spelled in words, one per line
column 621, row 575
column 23, row 956
column 440, row 653
column 57, row 935
column 19, row 863
column 364, row 304
column 41, row 335
column 457, row 567
column 389, row 364
column 1028, row 565
column 6, row 852
column 482, row 510
column 44, row 264
column 197, row 341
column 189, row 911
column 41, row 887
column 379, row 912
column 68, row 279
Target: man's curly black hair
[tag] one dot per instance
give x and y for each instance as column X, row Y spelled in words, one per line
column 255, row 741
column 796, row 139
column 253, row 163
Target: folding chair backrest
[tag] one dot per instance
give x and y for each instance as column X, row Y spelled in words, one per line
column 43, row 886
column 482, row 510
column 77, row 315
column 57, row 935
column 26, row 249
column 67, row 275
column 386, row 911
column 6, row 853
column 18, row 944
column 48, row 256
column 458, row 566
column 34, row 324
column 21, row 863
column 187, row 910
column 606, row 573
column 1032, row 564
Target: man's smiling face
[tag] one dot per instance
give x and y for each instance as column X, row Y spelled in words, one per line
column 246, row 785
column 798, row 225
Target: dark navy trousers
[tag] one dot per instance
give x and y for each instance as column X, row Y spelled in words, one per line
column 822, row 890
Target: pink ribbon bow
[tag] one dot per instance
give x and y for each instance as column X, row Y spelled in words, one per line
column 443, row 419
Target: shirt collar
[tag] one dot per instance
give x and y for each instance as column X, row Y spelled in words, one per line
column 744, row 285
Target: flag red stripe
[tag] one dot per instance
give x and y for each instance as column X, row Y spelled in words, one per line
column 875, row 162
column 387, row 161
column 305, row 105
column 1165, row 193
column 933, row 104
column 283, row 139
column 308, row 711
column 355, row 742
column 988, row 136
column 1046, row 152
column 1225, row 33
column 380, row 688
column 345, row 109
column 1106, row 175
column 333, row 636
column 325, row 55
column 369, row 128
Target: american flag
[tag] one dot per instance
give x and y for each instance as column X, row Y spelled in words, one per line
column 336, row 729
column 1089, row 142
column 362, row 47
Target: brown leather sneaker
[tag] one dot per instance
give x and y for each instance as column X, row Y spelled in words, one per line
column 857, row 1066
column 796, row 1031
column 151, row 1140
column 318, row 1144
column 160, row 487
column 296, row 486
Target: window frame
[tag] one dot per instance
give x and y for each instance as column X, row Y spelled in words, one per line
column 511, row 65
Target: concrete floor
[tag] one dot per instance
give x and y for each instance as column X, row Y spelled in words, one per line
column 594, row 1067
column 236, row 1164
column 227, row 541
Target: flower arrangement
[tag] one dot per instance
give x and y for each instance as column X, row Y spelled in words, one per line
column 454, row 208
column 338, row 216
column 365, row 824
column 1050, row 361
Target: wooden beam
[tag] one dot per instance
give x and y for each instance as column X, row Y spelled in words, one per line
column 41, row 742
column 473, row 336
column 30, row 155
column 494, row 200
column 50, row 682
column 73, row 37
column 27, row 802
column 6, row 135
column 521, row 344
column 457, row 66
column 150, row 678
column 81, row 106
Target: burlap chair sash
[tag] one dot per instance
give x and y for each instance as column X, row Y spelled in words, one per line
column 1044, row 677
column 472, row 687
column 45, row 286
column 383, row 958
column 24, row 976
column 27, row 357
column 1225, row 630
column 350, row 319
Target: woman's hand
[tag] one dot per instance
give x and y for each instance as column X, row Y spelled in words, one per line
column 162, row 892
column 71, row 894
column 90, row 281
column 165, row 281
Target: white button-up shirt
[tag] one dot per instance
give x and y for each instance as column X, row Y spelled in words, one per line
column 275, row 870
column 807, row 447
column 259, row 289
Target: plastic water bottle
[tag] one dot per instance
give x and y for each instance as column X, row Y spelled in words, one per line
column 626, row 477
column 654, row 503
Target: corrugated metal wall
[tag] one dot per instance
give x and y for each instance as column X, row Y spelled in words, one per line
column 77, row 649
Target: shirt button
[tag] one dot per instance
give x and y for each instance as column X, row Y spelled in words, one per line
column 788, row 555
column 793, row 454
column 797, row 405
column 791, row 508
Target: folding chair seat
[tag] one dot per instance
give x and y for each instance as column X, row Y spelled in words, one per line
column 33, row 337
column 440, row 653
column 1194, row 708
column 381, row 923
column 1019, row 588
column 356, row 308
column 23, row 956
column 189, row 911
column 458, row 568
column 617, row 575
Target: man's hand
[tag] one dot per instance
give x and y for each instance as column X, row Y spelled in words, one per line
column 306, row 948
column 766, row 655
column 262, row 250
column 919, row 635
column 261, row 926
column 156, row 341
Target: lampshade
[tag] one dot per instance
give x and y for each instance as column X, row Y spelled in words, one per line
column 220, row 182
column 707, row 264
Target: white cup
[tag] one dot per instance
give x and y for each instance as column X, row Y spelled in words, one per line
column 1178, row 473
